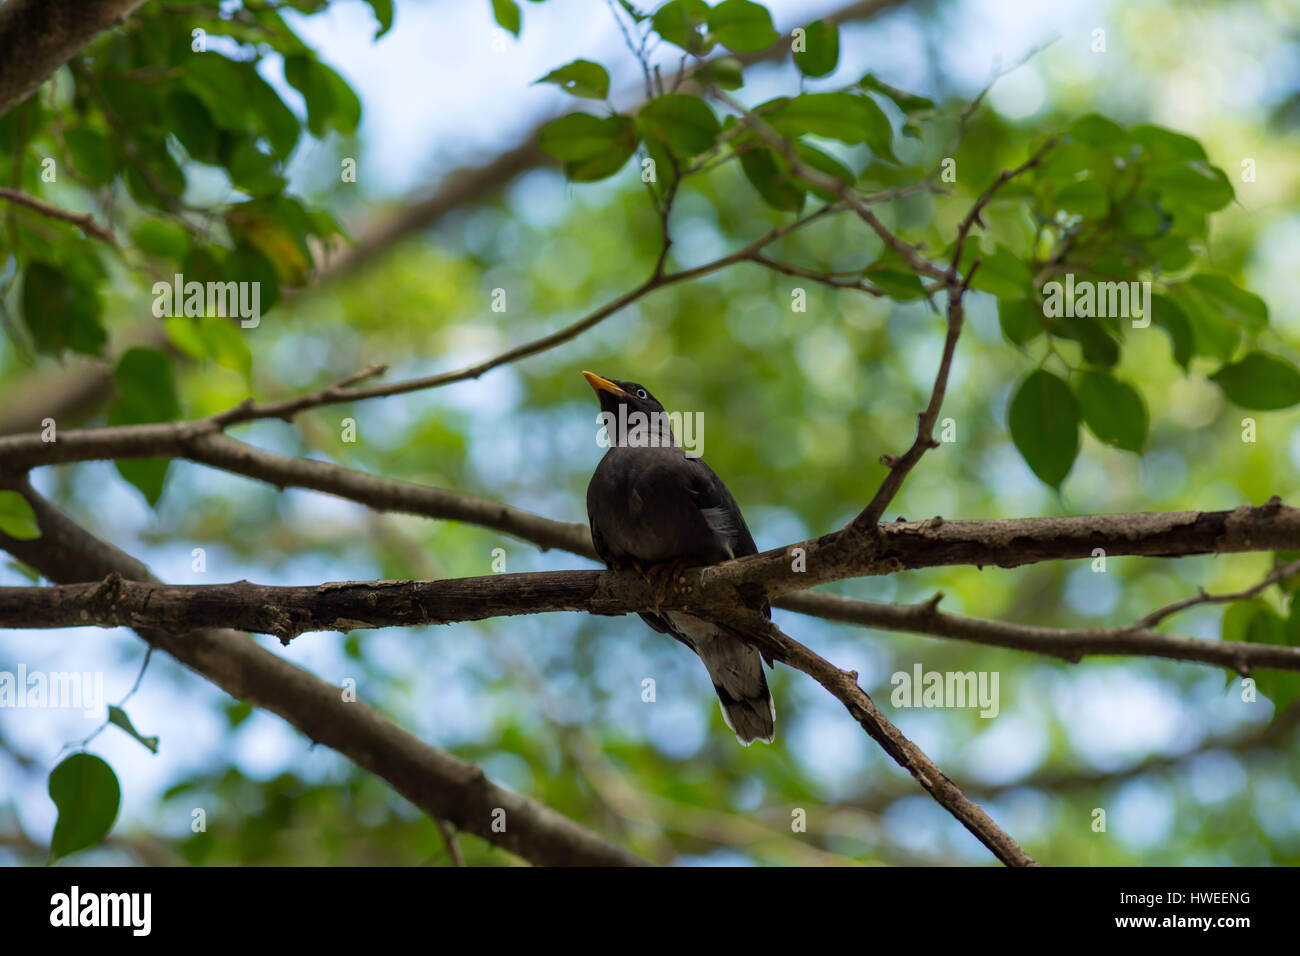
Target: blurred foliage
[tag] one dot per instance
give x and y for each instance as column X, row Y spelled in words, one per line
column 1051, row 415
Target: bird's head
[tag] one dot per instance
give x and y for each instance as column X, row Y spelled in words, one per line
column 631, row 415
column 613, row 393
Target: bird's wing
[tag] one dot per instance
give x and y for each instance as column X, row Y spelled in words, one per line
column 724, row 516
column 719, row 509
column 598, row 541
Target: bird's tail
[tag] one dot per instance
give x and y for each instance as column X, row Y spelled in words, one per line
column 737, row 672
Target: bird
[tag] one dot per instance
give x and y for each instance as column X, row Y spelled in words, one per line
column 655, row 508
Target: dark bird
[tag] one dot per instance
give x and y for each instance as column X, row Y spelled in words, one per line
column 654, row 508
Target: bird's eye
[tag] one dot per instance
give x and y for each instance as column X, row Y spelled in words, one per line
column 641, row 393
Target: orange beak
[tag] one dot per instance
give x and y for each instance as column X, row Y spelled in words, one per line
column 602, row 384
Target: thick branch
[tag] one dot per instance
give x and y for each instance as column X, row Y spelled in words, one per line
column 438, row 783
column 39, row 36
column 286, row 612
column 903, row 545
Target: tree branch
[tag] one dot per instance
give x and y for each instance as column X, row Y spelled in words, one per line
column 39, row 36
column 437, row 782
column 1067, row 644
column 904, row 545
column 82, row 220
column 1155, row 617
column 843, row 685
column 957, row 286
column 288, row 611
column 482, row 180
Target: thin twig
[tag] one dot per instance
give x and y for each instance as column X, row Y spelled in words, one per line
column 449, row 838
column 843, row 685
column 1155, row 617
column 957, row 286
column 82, row 220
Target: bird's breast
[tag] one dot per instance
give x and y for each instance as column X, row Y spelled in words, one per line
column 639, row 500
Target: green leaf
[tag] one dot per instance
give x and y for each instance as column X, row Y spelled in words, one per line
column 898, row 285
column 1166, row 314
column 507, row 15
column 665, row 166
column 681, row 120
column 1171, row 251
column 238, row 712
column 1087, row 198
column 742, row 26
column 219, row 84
column 384, row 14
column 1099, row 346
column 724, row 72
column 1290, row 584
column 847, row 117
column 581, row 78
column 768, row 173
column 212, row 337
column 148, row 475
column 580, row 135
column 61, row 310
column 1159, row 144
column 679, row 22
column 592, row 147
column 821, row 51
column 1113, row 410
column 1212, row 334
column 191, row 123
column 1260, row 381
column 331, row 103
column 1142, row 217
column 160, row 237
column 909, row 103
column 146, row 388
column 1020, row 318
column 823, row 163
column 1003, row 274
column 251, row 170
column 26, row 570
column 275, row 120
column 17, row 518
column 254, row 261
column 146, row 392
column 1252, row 621
column 1044, row 423
column 91, row 155
column 86, row 793
column 1096, row 130
column 1191, row 182
column 1256, row 622
column 1235, row 303
column 118, row 718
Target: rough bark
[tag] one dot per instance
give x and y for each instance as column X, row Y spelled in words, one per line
column 437, row 782
column 39, row 36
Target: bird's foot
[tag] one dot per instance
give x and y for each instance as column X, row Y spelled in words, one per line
column 662, row 576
